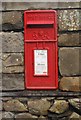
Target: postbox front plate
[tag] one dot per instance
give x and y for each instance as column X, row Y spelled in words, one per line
column 40, row 43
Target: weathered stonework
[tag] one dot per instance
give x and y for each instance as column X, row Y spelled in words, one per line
column 25, row 116
column 7, row 115
column 1, row 105
column 75, row 116
column 69, row 61
column 1, row 7
column 12, row 20
column 12, row 63
column 14, row 105
column 59, row 106
column 76, row 103
column 13, row 82
column 69, row 39
column 0, row 69
column 60, row 109
column 42, row 117
column 4, row 99
column 70, row 84
column 69, row 20
column 12, row 59
column 12, row 41
column 39, row 107
column 39, row 5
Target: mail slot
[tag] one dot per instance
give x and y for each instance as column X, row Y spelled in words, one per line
column 41, row 49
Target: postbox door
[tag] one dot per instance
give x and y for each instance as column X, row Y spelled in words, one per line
column 41, row 74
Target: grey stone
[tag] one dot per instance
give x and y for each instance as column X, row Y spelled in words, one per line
column 12, row 59
column 12, row 20
column 59, row 106
column 6, row 98
column 0, row 44
column 0, row 21
column 60, row 98
column 7, row 115
column 14, row 105
column 66, row 114
column 12, row 41
column 39, row 107
column 65, row 4
column 69, row 61
column 70, row 39
column 69, row 20
column 42, row 118
column 75, row 116
column 39, row 5
column 79, row 39
column 1, row 7
column 25, row 116
column 1, row 115
column 0, row 66
column 1, row 105
column 1, row 81
column 12, row 63
column 13, row 82
column 22, row 99
column 13, row 69
column 50, row 98
column 76, row 103
column 70, row 84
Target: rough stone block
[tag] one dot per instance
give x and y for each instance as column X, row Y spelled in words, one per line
column 12, row 63
column 0, row 63
column 69, row 20
column 12, row 41
column 1, row 7
column 75, row 116
column 5, row 99
column 69, row 39
column 25, row 116
column 69, row 61
column 69, row 4
column 12, row 20
column 76, row 103
column 0, row 21
column 42, row 117
column 1, row 83
column 13, row 82
column 7, row 115
column 39, row 5
column 70, row 84
column 1, row 108
column 59, row 106
column 0, row 44
column 14, row 105
column 39, row 107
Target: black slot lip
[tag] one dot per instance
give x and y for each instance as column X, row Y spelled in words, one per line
column 40, row 25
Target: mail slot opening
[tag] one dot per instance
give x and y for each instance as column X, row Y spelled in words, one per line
column 40, row 25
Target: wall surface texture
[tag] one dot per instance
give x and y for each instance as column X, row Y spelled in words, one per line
column 17, row 102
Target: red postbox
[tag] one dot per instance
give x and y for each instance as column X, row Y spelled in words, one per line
column 40, row 41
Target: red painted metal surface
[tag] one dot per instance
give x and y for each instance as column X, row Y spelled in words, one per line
column 40, row 43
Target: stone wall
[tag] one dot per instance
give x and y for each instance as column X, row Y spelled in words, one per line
column 17, row 102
